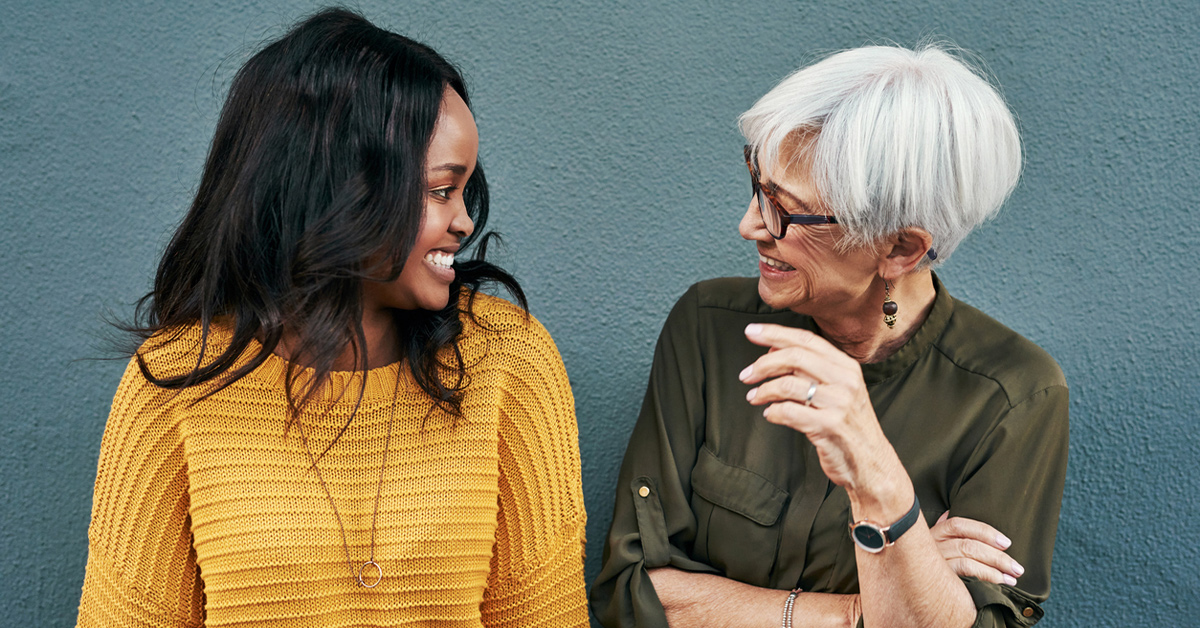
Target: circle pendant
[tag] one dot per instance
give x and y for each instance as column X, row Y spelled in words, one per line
column 378, row 574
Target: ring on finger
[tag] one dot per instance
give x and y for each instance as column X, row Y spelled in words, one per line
column 812, row 392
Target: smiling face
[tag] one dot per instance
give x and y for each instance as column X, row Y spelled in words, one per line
column 804, row 271
column 425, row 281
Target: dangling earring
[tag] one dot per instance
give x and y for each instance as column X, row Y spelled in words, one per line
column 889, row 306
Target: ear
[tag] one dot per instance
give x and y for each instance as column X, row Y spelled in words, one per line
column 902, row 251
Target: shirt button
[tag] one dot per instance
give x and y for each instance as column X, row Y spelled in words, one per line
column 645, row 492
column 1028, row 612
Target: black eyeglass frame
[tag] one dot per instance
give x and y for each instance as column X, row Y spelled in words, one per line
column 766, row 198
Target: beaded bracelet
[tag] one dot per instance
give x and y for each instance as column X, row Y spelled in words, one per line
column 787, row 608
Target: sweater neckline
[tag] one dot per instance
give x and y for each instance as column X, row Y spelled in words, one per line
column 340, row 387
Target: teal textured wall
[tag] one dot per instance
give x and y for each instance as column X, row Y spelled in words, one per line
column 603, row 125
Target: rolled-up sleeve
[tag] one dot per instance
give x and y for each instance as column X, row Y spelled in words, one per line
column 653, row 523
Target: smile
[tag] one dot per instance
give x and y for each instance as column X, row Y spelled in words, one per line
column 444, row 260
column 774, row 263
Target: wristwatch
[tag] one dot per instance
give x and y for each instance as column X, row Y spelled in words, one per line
column 872, row 537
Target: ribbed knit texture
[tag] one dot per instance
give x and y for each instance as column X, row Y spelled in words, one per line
column 206, row 513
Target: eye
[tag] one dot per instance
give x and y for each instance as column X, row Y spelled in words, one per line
column 443, row 193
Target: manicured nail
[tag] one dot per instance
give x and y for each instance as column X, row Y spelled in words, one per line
column 1004, row 541
column 1018, row 569
column 753, row 329
column 750, row 395
column 745, row 374
column 1009, row 580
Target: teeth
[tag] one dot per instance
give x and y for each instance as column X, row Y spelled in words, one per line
column 773, row 263
column 445, row 260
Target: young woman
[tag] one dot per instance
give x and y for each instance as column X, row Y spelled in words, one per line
column 326, row 424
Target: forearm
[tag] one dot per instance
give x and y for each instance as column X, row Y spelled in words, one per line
column 908, row 584
column 691, row 599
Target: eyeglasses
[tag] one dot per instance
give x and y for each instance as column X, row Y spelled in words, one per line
column 774, row 218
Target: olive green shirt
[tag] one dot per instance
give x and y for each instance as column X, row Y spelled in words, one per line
column 977, row 414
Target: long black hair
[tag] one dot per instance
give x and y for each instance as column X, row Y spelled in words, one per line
column 317, row 165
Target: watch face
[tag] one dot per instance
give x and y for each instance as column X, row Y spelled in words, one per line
column 868, row 537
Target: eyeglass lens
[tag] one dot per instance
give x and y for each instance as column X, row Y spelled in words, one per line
column 769, row 213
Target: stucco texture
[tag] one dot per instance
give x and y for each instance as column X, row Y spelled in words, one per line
column 608, row 134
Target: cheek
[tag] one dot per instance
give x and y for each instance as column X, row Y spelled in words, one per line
column 801, row 251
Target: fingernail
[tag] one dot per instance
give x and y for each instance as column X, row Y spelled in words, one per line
column 1018, row 569
column 1009, row 580
column 745, row 374
column 753, row 329
column 750, row 395
column 1004, row 541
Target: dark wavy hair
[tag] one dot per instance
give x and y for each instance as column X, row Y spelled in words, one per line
column 317, row 166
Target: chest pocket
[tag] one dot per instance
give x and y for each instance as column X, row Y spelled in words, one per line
column 738, row 519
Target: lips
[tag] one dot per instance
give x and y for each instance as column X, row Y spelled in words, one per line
column 441, row 262
column 775, row 264
column 440, row 259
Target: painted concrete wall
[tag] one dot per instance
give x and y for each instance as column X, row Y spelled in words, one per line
column 603, row 125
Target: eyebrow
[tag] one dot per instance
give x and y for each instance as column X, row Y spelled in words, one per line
column 454, row 168
column 779, row 190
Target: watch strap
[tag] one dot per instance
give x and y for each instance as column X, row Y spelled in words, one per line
column 893, row 532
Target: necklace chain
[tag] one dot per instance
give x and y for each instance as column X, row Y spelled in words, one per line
column 357, row 574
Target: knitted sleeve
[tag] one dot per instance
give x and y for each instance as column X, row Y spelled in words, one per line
column 537, row 565
column 141, row 570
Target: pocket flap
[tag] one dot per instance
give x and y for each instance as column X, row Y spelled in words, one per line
column 736, row 489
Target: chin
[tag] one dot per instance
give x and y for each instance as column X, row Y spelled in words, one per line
column 771, row 298
column 779, row 301
column 435, row 303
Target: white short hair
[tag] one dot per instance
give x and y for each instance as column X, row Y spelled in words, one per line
column 894, row 138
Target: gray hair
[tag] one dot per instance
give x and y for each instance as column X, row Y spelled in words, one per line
column 894, row 138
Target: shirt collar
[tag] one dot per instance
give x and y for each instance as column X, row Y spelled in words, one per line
column 919, row 344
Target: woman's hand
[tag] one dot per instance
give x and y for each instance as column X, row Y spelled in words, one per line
column 811, row 386
column 974, row 548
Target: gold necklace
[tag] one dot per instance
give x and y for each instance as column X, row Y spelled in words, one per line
column 357, row 574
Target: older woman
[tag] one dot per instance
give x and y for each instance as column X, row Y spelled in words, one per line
column 801, row 430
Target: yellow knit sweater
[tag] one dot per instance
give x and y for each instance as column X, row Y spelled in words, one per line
column 206, row 513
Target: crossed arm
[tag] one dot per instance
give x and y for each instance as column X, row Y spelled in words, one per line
column 968, row 547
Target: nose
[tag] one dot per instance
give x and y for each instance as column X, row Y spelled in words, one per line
column 751, row 227
column 462, row 225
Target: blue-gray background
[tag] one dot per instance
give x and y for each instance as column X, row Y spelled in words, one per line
column 608, row 133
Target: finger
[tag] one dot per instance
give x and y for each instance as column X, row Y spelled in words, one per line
column 983, row 554
column 767, row 335
column 799, row 361
column 971, row 569
column 791, row 414
column 943, row 517
column 965, row 528
column 800, row 389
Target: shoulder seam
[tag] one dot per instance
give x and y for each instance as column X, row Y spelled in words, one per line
column 1004, row 389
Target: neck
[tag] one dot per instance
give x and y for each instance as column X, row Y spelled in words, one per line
column 382, row 343
column 861, row 332
column 383, row 339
